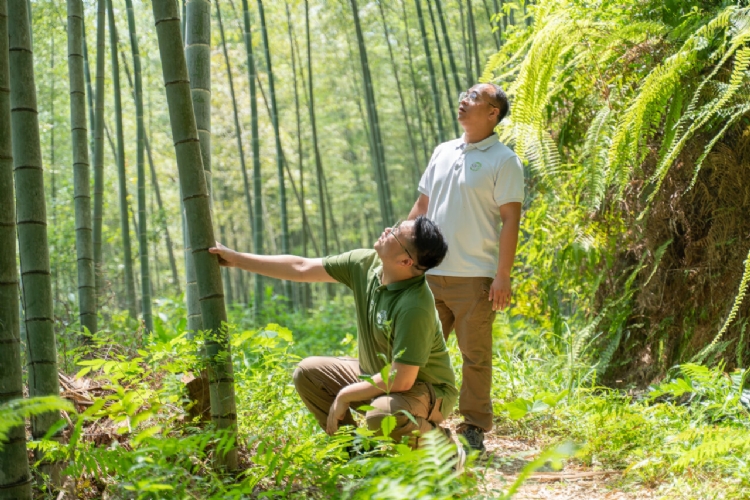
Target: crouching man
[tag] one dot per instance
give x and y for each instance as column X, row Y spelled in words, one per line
column 396, row 320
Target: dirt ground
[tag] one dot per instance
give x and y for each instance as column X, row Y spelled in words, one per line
column 506, row 456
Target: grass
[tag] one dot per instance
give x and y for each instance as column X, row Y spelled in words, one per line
column 685, row 438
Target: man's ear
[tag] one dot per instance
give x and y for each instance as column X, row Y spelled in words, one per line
column 407, row 262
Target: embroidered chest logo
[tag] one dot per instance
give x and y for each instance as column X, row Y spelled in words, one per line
column 475, row 166
column 380, row 319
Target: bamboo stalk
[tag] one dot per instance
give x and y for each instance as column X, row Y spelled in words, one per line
column 81, row 166
column 431, row 71
column 15, row 478
column 31, row 213
column 401, row 100
column 277, row 137
column 141, row 139
column 449, row 95
column 196, row 199
column 99, row 149
column 257, row 180
column 121, row 174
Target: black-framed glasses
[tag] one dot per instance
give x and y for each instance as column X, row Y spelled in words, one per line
column 394, row 229
column 474, row 96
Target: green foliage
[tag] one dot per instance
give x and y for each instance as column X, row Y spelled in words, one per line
column 14, row 413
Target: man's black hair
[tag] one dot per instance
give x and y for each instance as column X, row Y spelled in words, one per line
column 502, row 99
column 429, row 244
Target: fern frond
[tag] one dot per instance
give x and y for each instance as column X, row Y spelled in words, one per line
column 742, row 60
column 710, row 146
column 531, row 90
column 735, row 308
column 643, row 115
column 594, row 155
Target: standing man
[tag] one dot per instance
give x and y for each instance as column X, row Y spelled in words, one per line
column 396, row 319
column 470, row 186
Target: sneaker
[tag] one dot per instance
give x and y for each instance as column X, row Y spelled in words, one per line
column 473, row 435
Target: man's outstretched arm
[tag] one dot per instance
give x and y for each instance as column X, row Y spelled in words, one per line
column 283, row 267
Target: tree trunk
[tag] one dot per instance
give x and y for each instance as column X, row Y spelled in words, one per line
column 431, row 71
column 142, row 221
column 423, row 141
column 277, row 137
column 198, row 56
column 89, row 90
column 466, row 45
column 489, row 20
column 121, row 175
column 15, row 479
column 237, row 128
column 226, row 277
column 473, row 36
column 409, row 134
column 155, row 186
column 99, row 149
column 451, row 59
column 378, row 154
column 316, row 148
column 31, row 213
column 53, row 174
column 296, row 193
column 304, row 288
column 257, row 181
column 449, row 95
column 196, row 199
column 82, row 190
column 163, row 218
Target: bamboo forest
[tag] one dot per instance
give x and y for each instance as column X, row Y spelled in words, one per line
column 374, row 249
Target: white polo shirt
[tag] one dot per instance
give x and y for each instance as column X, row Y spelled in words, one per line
column 466, row 185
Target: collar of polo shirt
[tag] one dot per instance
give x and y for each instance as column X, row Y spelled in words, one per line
column 482, row 145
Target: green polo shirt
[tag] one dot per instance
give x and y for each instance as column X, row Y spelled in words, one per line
column 398, row 320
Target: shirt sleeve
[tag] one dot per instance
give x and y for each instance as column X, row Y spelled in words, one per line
column 350, row 268
column 342, row 267
column 509, row 184
column 425, row 183
column 413, row 331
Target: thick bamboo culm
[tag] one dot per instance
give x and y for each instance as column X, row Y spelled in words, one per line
column 81, row 169
column 15, row 479
column 31, row 216
column 196, row 200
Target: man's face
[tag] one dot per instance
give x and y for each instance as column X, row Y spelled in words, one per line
column 395, row 243
column 478, row 108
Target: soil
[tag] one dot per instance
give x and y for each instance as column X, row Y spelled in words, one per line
column 506, row 456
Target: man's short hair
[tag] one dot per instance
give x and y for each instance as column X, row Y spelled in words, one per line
column 429, row 244
column 502, row 99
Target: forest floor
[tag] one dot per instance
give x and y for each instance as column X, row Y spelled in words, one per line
column 506, row 456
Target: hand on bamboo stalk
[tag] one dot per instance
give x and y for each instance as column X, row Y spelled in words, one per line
column 225, row 254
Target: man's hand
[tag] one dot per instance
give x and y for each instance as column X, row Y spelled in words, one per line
column 225, row 254
column 335, row 415
column 500, row 293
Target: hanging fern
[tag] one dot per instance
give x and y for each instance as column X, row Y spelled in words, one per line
column 739, row 112
column 594, row 155
column 742, row 60
column 732, row 313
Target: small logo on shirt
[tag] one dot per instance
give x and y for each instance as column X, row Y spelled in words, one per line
column 475, row 166
column 380, row 318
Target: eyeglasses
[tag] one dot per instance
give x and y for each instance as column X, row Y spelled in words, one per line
column 473, row 96
column 394, row 229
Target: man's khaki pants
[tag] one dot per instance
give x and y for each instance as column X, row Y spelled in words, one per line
column 463, row 303
column 319, row 379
